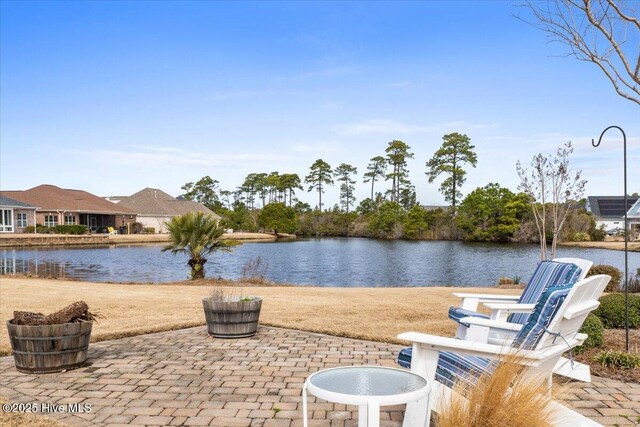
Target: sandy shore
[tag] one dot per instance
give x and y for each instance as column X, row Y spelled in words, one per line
column 369, row 313
column 613, row 245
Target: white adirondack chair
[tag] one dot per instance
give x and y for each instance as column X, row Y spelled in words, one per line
column 560, row 334
column 478, row 329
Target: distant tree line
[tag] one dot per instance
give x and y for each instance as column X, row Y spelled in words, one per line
column 267, row 201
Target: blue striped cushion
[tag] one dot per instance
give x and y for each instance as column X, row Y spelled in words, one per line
column 457, row 313
column 454, row 367
column 404, row 357
column 546, row 308
column 547, row 273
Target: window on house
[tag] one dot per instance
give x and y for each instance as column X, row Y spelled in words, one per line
column 21, row 219
column 6, row 220
column 50, row 220
column 69, row 220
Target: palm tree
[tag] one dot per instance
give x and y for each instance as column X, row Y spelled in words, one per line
column 196, row 235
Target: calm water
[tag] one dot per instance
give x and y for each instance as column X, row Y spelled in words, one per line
column 326, row 262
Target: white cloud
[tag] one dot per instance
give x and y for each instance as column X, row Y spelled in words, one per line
column 321, row 148
column 171, row 156
column 386, row 126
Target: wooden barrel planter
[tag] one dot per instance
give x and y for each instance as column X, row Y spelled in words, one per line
column 232, row 319
column 45, row 349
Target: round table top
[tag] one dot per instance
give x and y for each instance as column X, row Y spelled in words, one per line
column 367, row 381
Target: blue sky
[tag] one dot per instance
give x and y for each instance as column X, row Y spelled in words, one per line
column 112, row 97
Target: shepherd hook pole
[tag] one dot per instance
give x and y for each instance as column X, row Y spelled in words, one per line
column 626, row 231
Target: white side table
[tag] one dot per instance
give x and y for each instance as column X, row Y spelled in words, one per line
column 369, row 387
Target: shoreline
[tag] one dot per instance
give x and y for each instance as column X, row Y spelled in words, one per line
column 39, row 240
column 611, row 245
column 62, row 240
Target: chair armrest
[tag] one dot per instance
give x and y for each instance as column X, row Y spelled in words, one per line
column 493, row 324
column 491, row 351
column 471, row 301
column 488, row 297
column 511, row 308
column 580, row 309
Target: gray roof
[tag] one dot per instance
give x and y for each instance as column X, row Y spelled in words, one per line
column 7, row 201
column 610, row 207
column 154, row 202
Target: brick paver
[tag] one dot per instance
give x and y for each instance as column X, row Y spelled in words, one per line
column 185, row 378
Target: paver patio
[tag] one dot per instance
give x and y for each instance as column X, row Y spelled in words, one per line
column 184, row 378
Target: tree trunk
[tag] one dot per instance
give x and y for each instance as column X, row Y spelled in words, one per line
column 197, row 268
column 372, row 182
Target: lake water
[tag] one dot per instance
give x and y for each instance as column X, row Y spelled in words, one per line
column 324, row 262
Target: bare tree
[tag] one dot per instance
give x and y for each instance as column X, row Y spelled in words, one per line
column 603, row 32
column 553, row 190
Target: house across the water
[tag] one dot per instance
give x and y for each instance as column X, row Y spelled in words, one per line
column 154, row 208
column 609, row 211
column 15, row 216
column 61, row 206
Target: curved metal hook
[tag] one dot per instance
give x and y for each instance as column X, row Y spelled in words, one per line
column 624, row 136
column 626, row 230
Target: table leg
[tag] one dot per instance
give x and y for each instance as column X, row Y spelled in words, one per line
column 362, row 416
column 417, row 413
column 304, row 405
column 373, row 414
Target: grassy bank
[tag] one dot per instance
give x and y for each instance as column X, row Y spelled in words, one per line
column 377, row 314
column 613, row 245
column 368, row 313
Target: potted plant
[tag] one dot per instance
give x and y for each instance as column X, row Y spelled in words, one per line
column 54, row 343
column 231, row 316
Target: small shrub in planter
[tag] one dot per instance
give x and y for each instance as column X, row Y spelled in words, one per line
column 231, row 316
column 30, row 229
column 593, row 327
column 612, row 310
column 616, row 276
column 618, row 359
column 148, row 230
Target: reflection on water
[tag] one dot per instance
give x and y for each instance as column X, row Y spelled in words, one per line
column 30, row 267
column 324, row 262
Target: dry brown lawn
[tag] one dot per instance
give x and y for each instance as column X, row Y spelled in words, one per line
column 378, row 314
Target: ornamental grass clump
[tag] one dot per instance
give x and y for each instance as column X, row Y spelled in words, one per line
column 255, row 271
column 505, row 398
